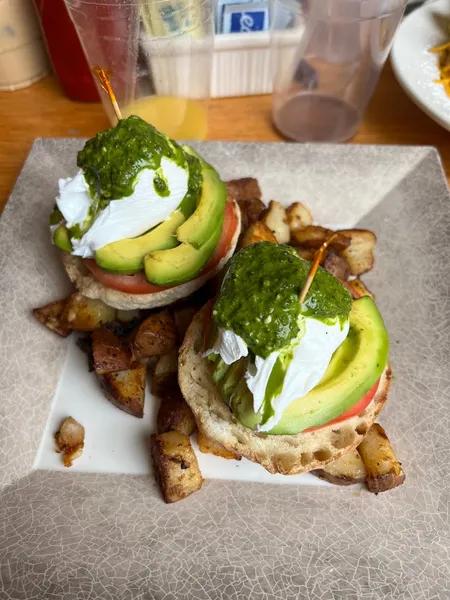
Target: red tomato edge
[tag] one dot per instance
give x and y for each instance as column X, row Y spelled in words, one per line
column 123, row 283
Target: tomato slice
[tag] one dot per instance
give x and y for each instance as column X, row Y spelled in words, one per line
column 354, row 410
column 138, row 284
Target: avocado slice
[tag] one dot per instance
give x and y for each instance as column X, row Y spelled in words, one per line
column 197, row 230
column 180, row 264
column 220, row 370
column 353, row 370
column 232, row 378
column 61, row 238
column 127, row 256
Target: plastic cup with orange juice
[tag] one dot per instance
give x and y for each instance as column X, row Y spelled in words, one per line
column 160, row 53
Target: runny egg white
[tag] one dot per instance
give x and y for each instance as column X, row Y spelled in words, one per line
column 126, row 217
column 311, row 357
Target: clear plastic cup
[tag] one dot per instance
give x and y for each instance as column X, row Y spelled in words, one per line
column 160, row 52
column 326, row 58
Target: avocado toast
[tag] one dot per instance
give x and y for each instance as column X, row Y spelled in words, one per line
column 291, row 386
column 145, row 221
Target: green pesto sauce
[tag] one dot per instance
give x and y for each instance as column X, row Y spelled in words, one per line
column 195, row 184
column 259, row 297
column 112, row 159
column 160, row 184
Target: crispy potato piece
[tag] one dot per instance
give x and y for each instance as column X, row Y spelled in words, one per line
column 50, row 315
column 165, row 373
column 384, row 472
column 258, row 232
column 314, row 236
column 359, row 254
column 70, row 440
column 243, row 189
column 156, row 335
column 251, row 211
column 337, row 266
column 347, row 470
column 126, row 389
column 275, row 219
column 183, row 317
column 85, row 314
column 176, row 466
column 174, row 413
column 210, row 446
column 298, row 217
column 109, row 353
column 306, row 253
column 361, row 288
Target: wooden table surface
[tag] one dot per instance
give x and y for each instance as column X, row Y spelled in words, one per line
column 42, row 111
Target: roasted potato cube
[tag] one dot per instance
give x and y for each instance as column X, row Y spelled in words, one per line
column 109, row 353
column 156, row 335
column 165, row 373
column 359, row 253
column 210, row 446
column 360, row 288
column 384, row 472
column 85, row 314
column 70, row 440
column 258, row 232
column 174, row 413
column 183, row 317
column 347, row 470
column 298, row 217
column 314, row 236
column 126, row 389
column 275, row 219
column 251, row 211
column 243, row 189
column 51, row 315
column 337, row 266
column 176, row 466
column 305, row 253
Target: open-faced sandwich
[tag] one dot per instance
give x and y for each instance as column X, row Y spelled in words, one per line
column 291, row 385
column 145, row 221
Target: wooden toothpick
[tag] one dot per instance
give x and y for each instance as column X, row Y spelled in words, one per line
column 313, row 270
column 103, row 76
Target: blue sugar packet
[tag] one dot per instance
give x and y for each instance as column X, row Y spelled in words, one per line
column 243, row 18
column 220, row 11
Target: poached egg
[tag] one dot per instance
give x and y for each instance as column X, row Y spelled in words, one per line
column 311, row 356
column 123, row 217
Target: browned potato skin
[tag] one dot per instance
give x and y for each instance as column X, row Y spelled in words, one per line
column 347, row 470
column 361, row 288
column 183, row 317
column 258, row 232
column 337, row 266
column 70, row 440
column 109, row 353
column 126, row 389
column 84, row 314
column 305, row 253
column 174, row 412
column 176, row 466
column 384, row 472
column 210, row 446
column 165, row 373
column 244, row 189
column 50, row 315
column 359, row 253
column 314, row 236
column 156, row 335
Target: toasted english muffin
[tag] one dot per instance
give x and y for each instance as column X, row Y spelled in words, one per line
column 285, row 454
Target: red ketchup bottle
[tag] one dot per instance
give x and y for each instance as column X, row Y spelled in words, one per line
column 66, row 53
